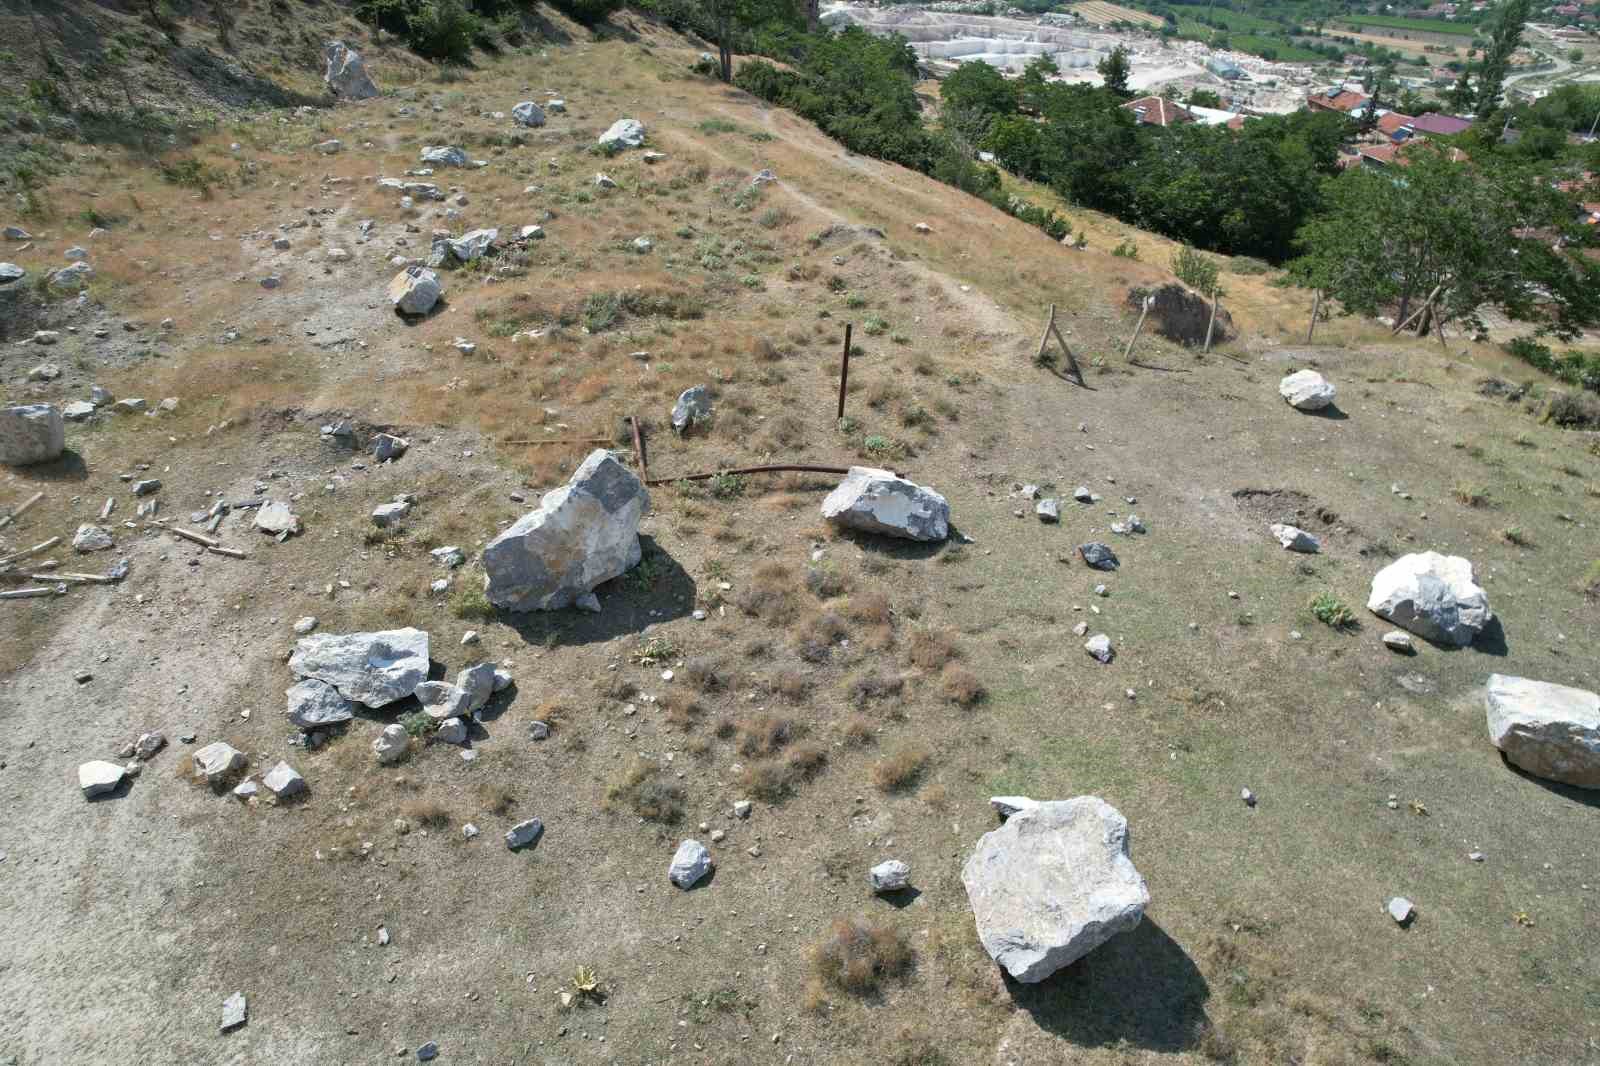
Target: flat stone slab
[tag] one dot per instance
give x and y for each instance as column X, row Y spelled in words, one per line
column 313, row 704
column 98, row 777
column 1549, row 730
column 370, row 668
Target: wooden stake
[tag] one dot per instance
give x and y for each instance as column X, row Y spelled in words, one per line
column 73, row 579
column 1415, row 314
column 198, row 538
column 844, row 369
column 232, row 553
column 1212, row 324
column 771, row 468
column 14, row 515
column 26, row 594
column 562, row 440
column 25, row 553
column 1316, row 309
column 1149, row 302
column 1044, row 341
column 638, row 447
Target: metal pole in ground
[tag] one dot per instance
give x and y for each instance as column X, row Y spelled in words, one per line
column 844, row 368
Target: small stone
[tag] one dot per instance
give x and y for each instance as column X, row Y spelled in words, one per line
column 690, row 863
column 524, row 834
column 890, row 876
column 1099, row 646
column 91, row 539
column 246, row 789
column 391, row 744
column 218, row 760
column 1295, row 539
column 452, row 731
column 1401, row 910
column 148, row 744
column 1048, row 510
column 449, row 556
column 1248, row 797
column 387, row 515
column 283, row 781
column 428, row 1052
column 98, row 777
column 1398, row 640
column 470, row 637
column 234, row 1012
column 538, row 730
column 305, row 625
column 1475, row 856
column 742, row 808
column 469, row 830
column 1081, row 629
column 1098, row 556
column 146, row 487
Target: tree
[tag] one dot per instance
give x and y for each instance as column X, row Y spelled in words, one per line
column 732, row 17
column 1206, row 98
column 1465, row 234
column 1377, row 81
column 1462, row 96
column 979, row 87
column 1114, row 69
column 1036, row 77
column 1505, row 34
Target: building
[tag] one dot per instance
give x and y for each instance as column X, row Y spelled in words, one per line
column 1159, row 111
column 1440, row 125
column 1387, row 155
column 1223, row 68
column 1395, row 126
column 1337, row 99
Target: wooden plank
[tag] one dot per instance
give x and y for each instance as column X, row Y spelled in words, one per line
column 14, row 515
column 25, row 553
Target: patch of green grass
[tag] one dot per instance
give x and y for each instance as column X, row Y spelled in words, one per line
column 1332, row 611
column 470, row 604
column 725, row 486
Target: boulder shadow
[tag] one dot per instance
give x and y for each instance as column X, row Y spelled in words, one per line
column 656, row 590
column 1139, row 987
column 1587, row 797
column 1491, row 639
column 900, row 547
column 68, row 466
column 1332, row 413
column 124, row 787
column 440, row 306
column 900, row 899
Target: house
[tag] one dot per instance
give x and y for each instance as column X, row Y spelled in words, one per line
column 1337, row 99
column 1159, row 111
column 1213, row 116
column 1355, row 59
column 1569, row 10
column 1386, row 155
column 1395, row 126
column 1440, row 125
column 1223, row 68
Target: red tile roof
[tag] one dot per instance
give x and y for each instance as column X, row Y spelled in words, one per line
column 1159, row 111
column 1443, row 125
column 1391, row 123
column 1343, row 100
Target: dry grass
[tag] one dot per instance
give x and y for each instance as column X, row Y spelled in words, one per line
column 856, row 957
column 869, row 608
column 771, row 594
column 817, row 633
column 961, row 686
column 932, row 648
column 763, row 734
column 874, row 683
column 900, row 771
column 679, row 709
column 773, row 780
column 427, row 813
column 496, row 798
column 706, row 674
column 859, row 731
column 646, row 791
column 792, row 685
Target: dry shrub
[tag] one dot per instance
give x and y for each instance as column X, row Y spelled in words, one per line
column 869, row 608
column 824, row 582
column 763, row 734
column 875, row 684
column 931, row 648
column 858, row 955
column 792, row 685
column 613, row 686
column 645, row 790
column 772, row 780
column 900, row 771
column 680, row 710
column 961, row 686
column 496, row 799
column 764, row 351
column 817, row 633
column 858, row 731
column 882, row 394
column 771, row 593
column 428, row 813
column 705, row 674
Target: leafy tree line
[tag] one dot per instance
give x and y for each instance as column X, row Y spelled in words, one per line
column 448, row 30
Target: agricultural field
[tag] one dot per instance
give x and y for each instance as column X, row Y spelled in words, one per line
column 1395, row 22
column 1101, row 13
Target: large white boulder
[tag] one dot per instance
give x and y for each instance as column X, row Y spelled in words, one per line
column 415, row 290
column 345, row 74
column 370, row 668
column 582, row 534
column 1549, row 730
column 880, row 501
column 471, row 245
column 624, row 133
column 1433, row 596
column 1052, row 884
column 528, row 113
column 1306, row 390
column 31, row 433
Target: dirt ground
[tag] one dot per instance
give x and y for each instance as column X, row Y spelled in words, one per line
column 869, row 696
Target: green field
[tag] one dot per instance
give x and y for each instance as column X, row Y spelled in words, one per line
column 1392, row 22
column 1282, row 48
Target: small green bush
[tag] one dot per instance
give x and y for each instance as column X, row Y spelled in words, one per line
column 1332, row 611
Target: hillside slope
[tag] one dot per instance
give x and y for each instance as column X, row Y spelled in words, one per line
column 869, row 696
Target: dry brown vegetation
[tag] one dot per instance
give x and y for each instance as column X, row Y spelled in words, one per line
column 644, row 789
column 900, row 770
column 857, row 956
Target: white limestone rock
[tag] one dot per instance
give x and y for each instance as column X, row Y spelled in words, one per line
column 524, row 833
column 91, row 539
column 693, row 406
column 473, row 244
column 1306, row 390
column 451, row 731
column 441, row 700
column 879, row 501
column 690, row 863
column 582, row 534
column 528, row 114
column 391, row 745
column 1433, row 596
column 313, row 704
column 889, row 876
column 444, row 155
column 218, row 760
column 283, row 781
column 623, row 133
column 98, row 777
column 415, row 290
column 370, row 668
column 1295, row 539
column 31, row 433
column 345, row 74
column 1549, row 730
column 1052, row 884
